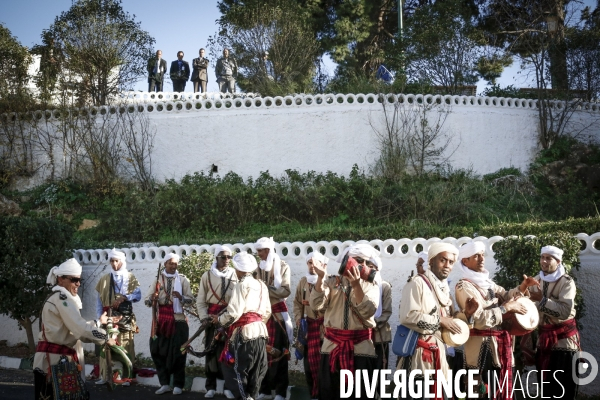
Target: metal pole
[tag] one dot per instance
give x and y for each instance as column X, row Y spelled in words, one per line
column 400, row 34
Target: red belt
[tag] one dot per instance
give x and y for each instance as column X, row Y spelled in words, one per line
column 214, row 309
column 53, row 348
column 244, row 320
column 345, row 340
column 549, row 335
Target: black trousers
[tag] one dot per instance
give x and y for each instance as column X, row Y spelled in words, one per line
column 155, row 86
column 168, row 358
column 383, row 355
column 244, row 377
column 277, row 377
column 179, row 85
column 329, row 382
column 559, row 382
column 41, row 387
column 214, row 369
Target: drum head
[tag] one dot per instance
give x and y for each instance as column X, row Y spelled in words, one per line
column 456, row 339
column 531, row 319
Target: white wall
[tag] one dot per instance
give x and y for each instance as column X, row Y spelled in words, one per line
column 143, row 262
column 323, row 133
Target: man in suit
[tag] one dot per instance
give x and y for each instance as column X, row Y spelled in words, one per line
column 157, row 67
column 180, row 73
column 200, row 72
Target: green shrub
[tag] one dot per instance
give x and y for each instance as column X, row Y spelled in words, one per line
column 30, row 248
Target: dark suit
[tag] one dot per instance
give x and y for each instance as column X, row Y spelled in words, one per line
column 155, row 78
column 179, row 75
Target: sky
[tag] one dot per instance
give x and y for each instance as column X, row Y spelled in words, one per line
column 182, row 25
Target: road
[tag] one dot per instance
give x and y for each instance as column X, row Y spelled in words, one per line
column 18, row 384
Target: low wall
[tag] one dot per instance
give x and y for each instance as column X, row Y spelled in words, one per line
column 248, row 134
column 398, row 256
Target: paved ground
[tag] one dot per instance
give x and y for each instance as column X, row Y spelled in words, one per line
column 18, row 384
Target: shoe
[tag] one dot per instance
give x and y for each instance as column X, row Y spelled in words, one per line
column 228, row 394
column 125, row 384
column 210, row 394
column 177, row 390
column 263, row 396
column 279, row 397
column 100, row 382
column 163, row 389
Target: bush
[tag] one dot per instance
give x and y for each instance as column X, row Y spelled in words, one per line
column 30, row 248
column 518, row 256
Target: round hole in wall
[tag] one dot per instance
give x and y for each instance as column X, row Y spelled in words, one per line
column 183, row 252
column 419, row 248
column 297, row 250
column 159, row 107
column 377, row 247
column 268, row 102
column 218, row 104
column 360, row 99
column 322, row 250
column 257, row 103
column 583, row 245
column 133, row 255
column 179, row 106
column 335, row 250
column 208, row 104
column 288, row 102
column 248, row 103
column 309, row 250
column 188, row 106
column 228, row 104
column 169, row 107
column 390, row 249
column 404, row 249
column 162, row 254
column 284, row 251
column 150, row 108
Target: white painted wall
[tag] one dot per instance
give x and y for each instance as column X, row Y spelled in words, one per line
column 143, row 263
column 323, row 133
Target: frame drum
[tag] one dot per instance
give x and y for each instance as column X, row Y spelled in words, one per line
column 456, row 339
column 522, row 324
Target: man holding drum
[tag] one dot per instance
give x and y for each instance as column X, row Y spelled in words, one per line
column 489, row 347
column 554, row 294
column 426, row 307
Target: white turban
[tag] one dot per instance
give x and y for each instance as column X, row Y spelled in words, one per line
column 119, row 255
column 272, row 262
column 213, row 267
column 317, row 256
column 244, row 262
column 440, row 247
column 362, row 250
column 423, row 256
column 553, row 251
column 69, row 268
column 220, row 248
column 172, row 256
column 470, row 249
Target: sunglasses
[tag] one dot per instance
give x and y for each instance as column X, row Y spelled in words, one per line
column 225, row 257
column 72, row 279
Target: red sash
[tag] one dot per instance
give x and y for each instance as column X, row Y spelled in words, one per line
column 313, row 341
column 550, row 334
column 53, row 348
column 214, row 309
column 505, row 355
column 166, row 320
column 275, row 308
column 431, row 354
column 345, row 341
column 244, row 320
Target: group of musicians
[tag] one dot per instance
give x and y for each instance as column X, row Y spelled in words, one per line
column 340, row 322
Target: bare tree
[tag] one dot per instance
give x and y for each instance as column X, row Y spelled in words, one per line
column 413, row 138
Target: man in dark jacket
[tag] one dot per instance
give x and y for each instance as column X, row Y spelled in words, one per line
column 157, row 67
column 180, row 73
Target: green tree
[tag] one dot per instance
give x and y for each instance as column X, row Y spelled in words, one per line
column 279, row 27
column 14, row 64
column 30, row 248
column 100, row 48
